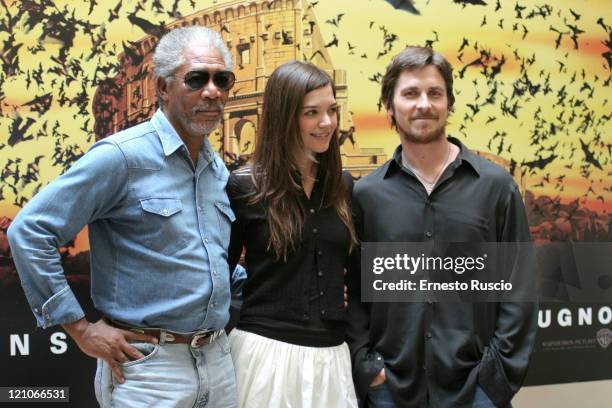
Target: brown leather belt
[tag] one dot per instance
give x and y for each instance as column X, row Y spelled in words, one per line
column 195, row 340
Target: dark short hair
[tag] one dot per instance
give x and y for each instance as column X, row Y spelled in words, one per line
column 413, row 58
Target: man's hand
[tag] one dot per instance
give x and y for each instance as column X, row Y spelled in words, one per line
column 99, row 340
column 379, row 379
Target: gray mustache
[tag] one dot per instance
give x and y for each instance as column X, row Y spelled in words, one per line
column 217, row 105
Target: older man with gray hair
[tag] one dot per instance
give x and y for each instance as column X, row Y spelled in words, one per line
column 159, row 220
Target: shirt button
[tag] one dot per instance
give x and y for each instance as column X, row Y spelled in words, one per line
column 165, row 211
column 319, row 252
column 312, row 211
column 36, row 309
column 428, row 234
column 214, row 272
column 206, row 240
column 213, row 304
column 320, row 273
column 323, row 312
column 321, row 293
column 315, row 230
column 428, row 335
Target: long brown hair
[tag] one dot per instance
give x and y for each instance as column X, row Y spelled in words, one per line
column 275, row 174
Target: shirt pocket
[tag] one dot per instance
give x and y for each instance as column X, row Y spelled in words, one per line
column 225, row 217
column 162, row 224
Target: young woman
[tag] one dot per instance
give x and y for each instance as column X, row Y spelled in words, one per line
column 293, row 219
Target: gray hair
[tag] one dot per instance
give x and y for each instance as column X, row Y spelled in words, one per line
column 169, row 53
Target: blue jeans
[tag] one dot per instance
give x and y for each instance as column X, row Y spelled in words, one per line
column 173, row 376
column 379, row 397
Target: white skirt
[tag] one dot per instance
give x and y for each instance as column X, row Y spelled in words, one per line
column 275, row 374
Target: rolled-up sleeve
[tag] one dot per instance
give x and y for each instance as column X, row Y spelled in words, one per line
column 87, row 191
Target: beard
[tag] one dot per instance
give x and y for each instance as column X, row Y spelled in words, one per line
column 422, row 136
column 198, row 127
column 204, row 128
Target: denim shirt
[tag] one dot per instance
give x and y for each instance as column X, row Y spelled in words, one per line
column 158, row 231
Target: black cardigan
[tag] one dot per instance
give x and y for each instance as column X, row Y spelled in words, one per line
column 299, row 300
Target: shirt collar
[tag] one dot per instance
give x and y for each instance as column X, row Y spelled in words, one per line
column 170, row 139
column 465, row 156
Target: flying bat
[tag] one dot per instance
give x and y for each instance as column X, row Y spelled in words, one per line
column 335, row 21
column 40, row 103
column 406, row 5
column 474, row 2
column 18, row 131
column 156, row 30
column 540, row 163
column 588, row 155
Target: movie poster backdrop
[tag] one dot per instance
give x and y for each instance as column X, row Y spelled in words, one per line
column 532, row 86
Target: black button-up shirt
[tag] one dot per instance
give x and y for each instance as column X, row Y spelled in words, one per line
column 435, row 354
column 300, row 300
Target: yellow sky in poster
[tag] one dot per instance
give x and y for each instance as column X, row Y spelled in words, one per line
column 362, row 25
column 451, row 24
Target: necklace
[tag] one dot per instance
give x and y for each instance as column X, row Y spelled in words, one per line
column 420, row 176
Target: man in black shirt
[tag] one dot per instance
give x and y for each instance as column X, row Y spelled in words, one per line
column 434, row 188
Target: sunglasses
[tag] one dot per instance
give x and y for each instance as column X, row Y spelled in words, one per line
column 196, row 80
